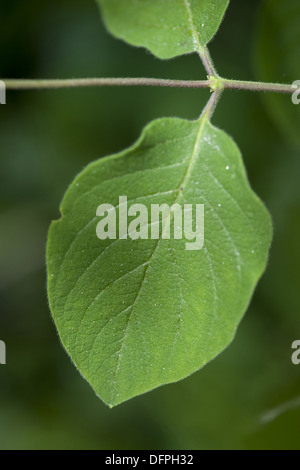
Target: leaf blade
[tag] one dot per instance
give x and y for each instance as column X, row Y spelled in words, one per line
column 136, row 314
column 167, row 28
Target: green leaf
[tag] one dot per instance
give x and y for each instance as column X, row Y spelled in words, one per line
column 168, row 28
column 277, row 58
column 136, row 314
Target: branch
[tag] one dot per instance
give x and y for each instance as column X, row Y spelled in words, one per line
column 99, row 82
column 258, row 86
column 154, row 82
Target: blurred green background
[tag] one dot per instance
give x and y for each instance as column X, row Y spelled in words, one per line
column 46, row 138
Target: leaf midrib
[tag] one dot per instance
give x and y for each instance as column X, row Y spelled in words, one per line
column 202, row 121
column 192, row 25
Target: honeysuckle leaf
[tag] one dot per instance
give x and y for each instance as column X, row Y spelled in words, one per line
column 168, row 28
column 277, row 58
column 134, row 314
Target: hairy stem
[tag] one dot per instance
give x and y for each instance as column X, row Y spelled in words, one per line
column 212, row 103
column 156, row 82
column 99, row 82
column 258, row 86
column 207, row 62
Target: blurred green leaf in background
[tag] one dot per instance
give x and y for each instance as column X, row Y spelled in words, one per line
column 166, row 28
column 277, row 57
column 46, row 138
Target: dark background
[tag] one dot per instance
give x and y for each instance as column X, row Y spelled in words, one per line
column 46, row 138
